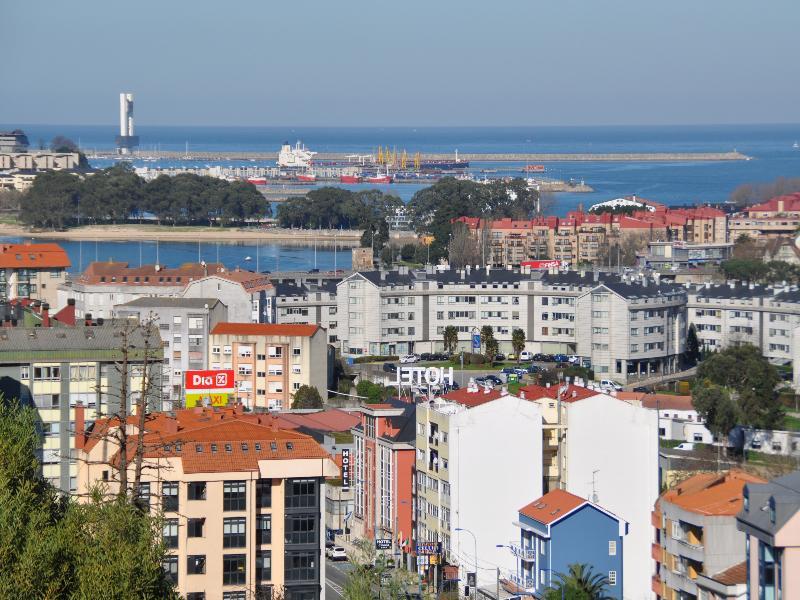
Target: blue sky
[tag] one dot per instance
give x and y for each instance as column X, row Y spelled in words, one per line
column 409, row 62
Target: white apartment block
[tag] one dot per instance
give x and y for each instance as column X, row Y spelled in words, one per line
column 304, row 302
column 479, row 457
column 628, row 328
column 735, row 313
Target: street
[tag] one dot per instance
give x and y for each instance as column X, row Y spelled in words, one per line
column 335, row 578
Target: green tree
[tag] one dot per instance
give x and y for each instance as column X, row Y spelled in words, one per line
column 52, row 201
column 490, row 346
column 715, row 405
column 692, row 346
column 372, row 574
column 450, row 338
column 580, row 583
column 373, row 392
column 751, row 381
column 517, row 342
column 307, row 396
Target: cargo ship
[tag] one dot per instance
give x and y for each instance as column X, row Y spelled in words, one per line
column 306, row 177
column 533, row 168
column 257, row 180
column 379, row 178
column 443, row 165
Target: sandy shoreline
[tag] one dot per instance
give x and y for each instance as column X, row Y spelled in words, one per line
column 302, row 237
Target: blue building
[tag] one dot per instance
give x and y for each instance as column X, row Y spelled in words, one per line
column 560, row 529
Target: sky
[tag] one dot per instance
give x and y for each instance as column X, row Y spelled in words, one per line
column 401, row 63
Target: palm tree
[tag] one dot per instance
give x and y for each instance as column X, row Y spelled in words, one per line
column 581, row 583
column 518, row 342
column 450, row 339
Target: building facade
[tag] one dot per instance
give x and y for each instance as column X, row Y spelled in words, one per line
column 298, row 302
column 770, row 521
column 469, row 442
column 32, row 271
column 695, row 531
column 241, row 501
column 271, row 361
column 248, row 295
column 776, row 218
column 561, row 529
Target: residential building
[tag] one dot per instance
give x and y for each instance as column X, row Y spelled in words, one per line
column 57, row 368
column 737, row 313
column 730, row 584
column 471, row 442
column 783, row 250
column 382, row 473
column 39, row 161
column 677, row 417
column 13, row 141
column 32, row 271
column 184, row 325
column 241, row 500
column 765, row 441
column 770, row 521
column 776, row 218
column 615, row 463
column 561, row 529
column 272, row 361
column 638, row 331
column 674, row 255
column 297, row 302
column 104, row 285
column 695, row 531
column 248, row 295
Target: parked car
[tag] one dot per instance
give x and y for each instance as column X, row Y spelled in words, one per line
column 426, row 356
column 685, row 446
column 494, row 379
column 574, row 359
column 520, row 371
column 610, row 384
column 543, row 357
column 499, row 357
column 507, row 370
column 511, row 356
column 336, row 553
column 390, row 367
column 525, row 355
column 532, row 368
column 484, row 381
column 409, row 358
column 560, row 358
column 644, row 389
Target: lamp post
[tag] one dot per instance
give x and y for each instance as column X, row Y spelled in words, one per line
column 475, row 541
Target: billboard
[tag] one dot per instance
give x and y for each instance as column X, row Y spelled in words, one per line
column 423, row 376
column 209, row 381
column 204, row 399
column 345, row 468
column 541, row 264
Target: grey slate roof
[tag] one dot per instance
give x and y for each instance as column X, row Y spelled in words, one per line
column 163, row 302
column 60, row 339
column 786, row 493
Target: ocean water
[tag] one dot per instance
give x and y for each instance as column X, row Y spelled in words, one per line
column 770, row 147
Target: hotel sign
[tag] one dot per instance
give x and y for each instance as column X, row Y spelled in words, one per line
column 345, row 468
column 424, row 376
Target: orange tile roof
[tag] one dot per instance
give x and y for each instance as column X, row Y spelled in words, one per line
column 33, row 256
column 573, row 393
column 473, row 399
column 552, row 506
column 737, row 574
column 711, row 493
column 659, row 401
column 791, row 203
column 121, row 273
column 295, row 329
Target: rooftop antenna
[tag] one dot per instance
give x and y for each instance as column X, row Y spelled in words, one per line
column 198, row 251
column 594, row 485
column 258, row 248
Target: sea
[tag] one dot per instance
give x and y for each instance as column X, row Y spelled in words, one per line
column 673, row 183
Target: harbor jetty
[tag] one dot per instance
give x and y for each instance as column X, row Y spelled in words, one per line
column 342, row 157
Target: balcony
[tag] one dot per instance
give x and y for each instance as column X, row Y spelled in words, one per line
column 657, row 552
column 526, row 554
column 657, row 586
column 526, row 583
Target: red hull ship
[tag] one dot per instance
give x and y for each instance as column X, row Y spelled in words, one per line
column 350, row 179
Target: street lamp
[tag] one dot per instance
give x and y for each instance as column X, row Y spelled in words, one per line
column 475, row 541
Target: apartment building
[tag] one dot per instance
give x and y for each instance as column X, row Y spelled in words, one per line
column 382, row 473
column 469, row 443
column 271, row 361
column 739, row 313
column 241, row 500
column 247, row 294
column 581, row 237
column 776, row 218
column 598, row 446
column 561, row 529
column 674, row 255
column 696, row 532
column 677, row 418
column 103, row 285
column 32, row 271
column 57, row 368
column 298, row 302
column 184, row 326
column 770, row 521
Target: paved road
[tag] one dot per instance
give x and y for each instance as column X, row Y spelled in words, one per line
column 335, row 578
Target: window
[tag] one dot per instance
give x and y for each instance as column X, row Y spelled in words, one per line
column 264, row 529
column 170, row 566
column 296, row 351
column 169, row 496
column 233, row 495
column 612, row 548
column 194, row 527
column 233, row 532
column 170, row 531
column 234, row 571
column 196, row 596
column 263, row 565
column 196, row 564
column 234, row 596
column 24, row 373
column 301, row 493
column 143, row 496
column 197, row 490
column 300, row 566
column 612, row 578
column 301, row 529
column 772, row 510
column 746, row 498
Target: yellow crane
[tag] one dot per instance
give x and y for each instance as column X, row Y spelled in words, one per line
column 417, row 161
column 380, row 155
column 403, row 160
